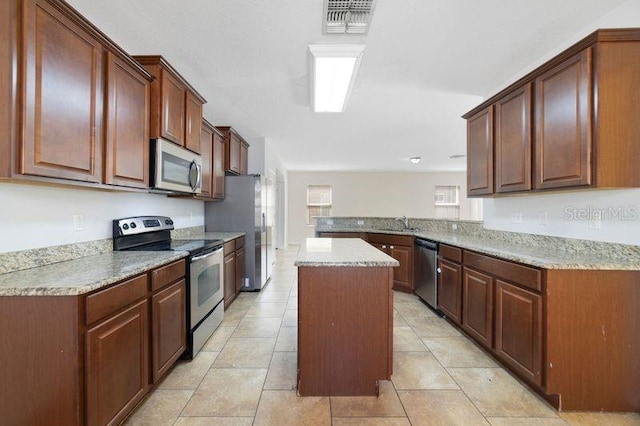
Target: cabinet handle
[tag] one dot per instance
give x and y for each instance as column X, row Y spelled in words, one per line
column 391, row 247
column 439, row 270
column 384, row 247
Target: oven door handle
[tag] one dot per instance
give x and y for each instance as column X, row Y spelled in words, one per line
column 204, row 256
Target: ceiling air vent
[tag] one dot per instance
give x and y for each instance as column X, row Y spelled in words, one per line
column 347, row 16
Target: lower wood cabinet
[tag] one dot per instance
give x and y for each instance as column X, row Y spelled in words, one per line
column 234, row 269
column 519, row 330
column 240, row 268
column 117, row 365
column 168, row 337
column 450, row 289
column 229, row 278
column 477, row 306
column 400, row 247
column 96, row 354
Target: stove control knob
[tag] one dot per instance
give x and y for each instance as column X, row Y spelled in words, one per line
column 125, row 226
column 133, row 225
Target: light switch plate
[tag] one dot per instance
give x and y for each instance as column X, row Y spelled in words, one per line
column 78, row 222
column 543, row 218
column 516, row 217
column 360, row 222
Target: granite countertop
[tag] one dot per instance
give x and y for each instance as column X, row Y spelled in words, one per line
column 539, row 256
column 345, row 252
column 79, row 276
column 225, row 236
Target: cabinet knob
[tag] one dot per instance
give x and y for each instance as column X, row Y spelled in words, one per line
column 391, row 247
column 384, row 247
column 439, row 270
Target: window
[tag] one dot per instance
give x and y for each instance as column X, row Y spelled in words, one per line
column 447, row 201
column 318, row 202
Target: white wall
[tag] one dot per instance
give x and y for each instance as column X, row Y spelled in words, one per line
column 40, row 216
column 570, row 214
column 498, row 212
column 383, row 194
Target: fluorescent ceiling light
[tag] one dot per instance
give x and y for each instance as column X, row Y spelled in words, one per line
column 333, row 70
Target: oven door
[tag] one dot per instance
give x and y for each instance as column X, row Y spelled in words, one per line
column 206, row 285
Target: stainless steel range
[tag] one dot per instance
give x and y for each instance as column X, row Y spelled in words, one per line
column 205, row 273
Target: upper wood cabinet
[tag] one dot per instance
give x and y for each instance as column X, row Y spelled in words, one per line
column 206, row 151
column 584, row 127
column 193, row 122
column 217, row 173
column 176, row 107
column 77, row 105
column 563, row 124
column 63, row 92
column 513, row 141
column 480, row 153
column 235, row 151
column 127, row 132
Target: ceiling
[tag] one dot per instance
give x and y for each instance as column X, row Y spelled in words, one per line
column 426, row 63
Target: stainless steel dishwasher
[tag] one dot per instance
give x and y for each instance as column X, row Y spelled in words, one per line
column 426, row 276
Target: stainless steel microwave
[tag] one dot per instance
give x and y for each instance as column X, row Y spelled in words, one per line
column 174, row 168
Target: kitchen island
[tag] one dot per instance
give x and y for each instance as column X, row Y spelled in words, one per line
column 345, row 317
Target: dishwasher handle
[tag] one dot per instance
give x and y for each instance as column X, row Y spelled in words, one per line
column 431, row 245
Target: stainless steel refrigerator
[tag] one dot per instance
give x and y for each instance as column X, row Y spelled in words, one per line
column 246, row 209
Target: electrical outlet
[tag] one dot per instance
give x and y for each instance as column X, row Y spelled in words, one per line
column 543, row 219
column 454, row 226
column 246, row 282
column 516, row 217
column 360, row 223
column 595, row 223
column 329, row 222
column 78, row 222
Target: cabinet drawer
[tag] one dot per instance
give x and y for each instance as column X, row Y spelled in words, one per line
column 167, row 274
column 401, row 240
column 229, row 247
column 519, row 274
column 239, row 243
column 451, row 253
column 105, row 302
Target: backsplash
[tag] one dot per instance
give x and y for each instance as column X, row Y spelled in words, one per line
column 476, row 229
column 25, row 259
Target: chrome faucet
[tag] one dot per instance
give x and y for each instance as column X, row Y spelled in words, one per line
column 405, row 222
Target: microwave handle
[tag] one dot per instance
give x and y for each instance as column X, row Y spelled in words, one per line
column 193, row 185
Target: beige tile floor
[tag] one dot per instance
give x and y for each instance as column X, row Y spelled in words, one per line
column 246, row 375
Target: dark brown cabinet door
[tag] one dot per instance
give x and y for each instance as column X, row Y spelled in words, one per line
column 217, row 179
column 169, row 328
column 513, row 141
column 63, row 97
column 206, row 151
column 117, row 365
column 172, row 109
column 477, row 306
column 240, row 269
column 127, row 126
column 402, row 277
column 244, row 153
column 563, row 124
column 480, row 153
column 229, row 279
column 193, row 122
column 518, row 340
column 450, row 289
column 234, row 154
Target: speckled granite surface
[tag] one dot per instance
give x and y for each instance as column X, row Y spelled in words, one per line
column 345, row 252
column 225, row 236
column 535, row 250
column 25, row 259
column 83, row 275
